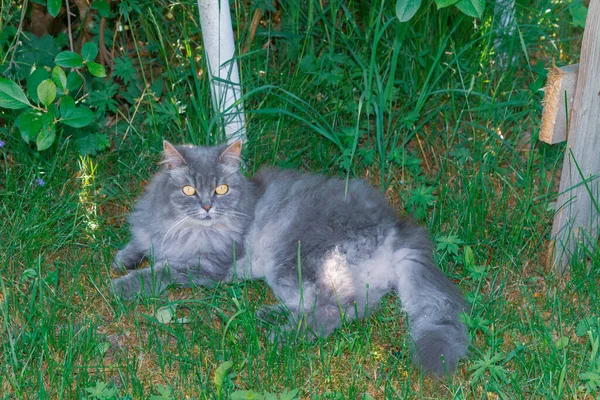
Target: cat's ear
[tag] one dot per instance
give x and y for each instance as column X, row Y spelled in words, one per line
column 232, row 152
column 173, row 159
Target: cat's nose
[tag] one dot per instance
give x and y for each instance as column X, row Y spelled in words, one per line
column 207, row 207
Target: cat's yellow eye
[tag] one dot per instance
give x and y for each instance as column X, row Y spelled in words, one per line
column 188, row 190
column 222, row 189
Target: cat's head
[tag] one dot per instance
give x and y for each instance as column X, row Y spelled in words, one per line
column 205, row 184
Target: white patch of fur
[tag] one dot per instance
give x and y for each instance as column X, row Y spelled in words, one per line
column 336, row 274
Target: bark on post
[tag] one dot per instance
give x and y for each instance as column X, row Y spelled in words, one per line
column 217, row 36
column 576, row 220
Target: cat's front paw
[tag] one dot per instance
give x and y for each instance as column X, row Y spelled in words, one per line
column 125, row 287
column 273, row 315
column 118, row 264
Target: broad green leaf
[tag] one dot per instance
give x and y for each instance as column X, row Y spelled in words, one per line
column 445, row 3
column 89, row 51
column 96, row 69
column 587, row 324
column 74, row 81
column 562, row 342
column 53, row 111
column 67, row 105
column 406, row 9
column 578, row 13
column 157, row 87
column 473, row 8
column 69, row 59
column 220, row 374
column 289, row 394
column 103, row 8
column 46, row 136
column 94, row 143
column 165, row 393
column 164, row 315
column 54, row 7
column 33, row 81
column 59, row 77
column 46, row 92
column 78, row 118
column 12, row 96
column 246, row 395
column 30, row 123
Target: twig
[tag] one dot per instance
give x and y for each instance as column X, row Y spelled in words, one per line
column 255, row 21
column 85, row 17
column 18, row 35
column 105, row 56
column 69, row 25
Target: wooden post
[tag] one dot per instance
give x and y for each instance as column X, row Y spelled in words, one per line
column 576, row 220
column 559, row 94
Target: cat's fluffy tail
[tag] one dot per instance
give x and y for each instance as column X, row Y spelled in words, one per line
column 432, row 303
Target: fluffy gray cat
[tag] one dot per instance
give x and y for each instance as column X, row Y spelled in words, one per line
column 328, row 251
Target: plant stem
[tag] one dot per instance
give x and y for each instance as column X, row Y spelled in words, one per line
column 69, row 25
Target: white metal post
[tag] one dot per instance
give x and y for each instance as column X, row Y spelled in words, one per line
column 217, row 35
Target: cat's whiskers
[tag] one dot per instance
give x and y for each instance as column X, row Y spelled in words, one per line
column 237, row 214
column 175, row 225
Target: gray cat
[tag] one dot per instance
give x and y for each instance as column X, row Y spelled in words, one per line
column 328, row 251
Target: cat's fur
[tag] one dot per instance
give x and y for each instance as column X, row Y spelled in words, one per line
column 353, row 248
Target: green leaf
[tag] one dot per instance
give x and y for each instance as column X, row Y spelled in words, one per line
column 34, row 80
column 123, row 68
column 165, row 393
column 92, row 143
column 69, row 59
column 96, row 69
column 30, row 123
column 164, row 315
column 12, row 96
column 157, row 87
column 289, row 395
column 469, row 257
column 220, row 374
column 46, row 136
column 585, row 325
column 101, row 391
column 562, row 342
column 74, row 81
column 445, row 3
column 89, row 51
column 578, row 13
column 46, row 92
column 67, row 105
column 246, row 395
column 449, row 243
column 473, row 8
column 78, row 118
column 406, row 9
column 103, row 8
column 54, row 7
column 53, row 111
column 59, row 77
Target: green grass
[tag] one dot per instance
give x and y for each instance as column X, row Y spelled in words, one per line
column 422, row 110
